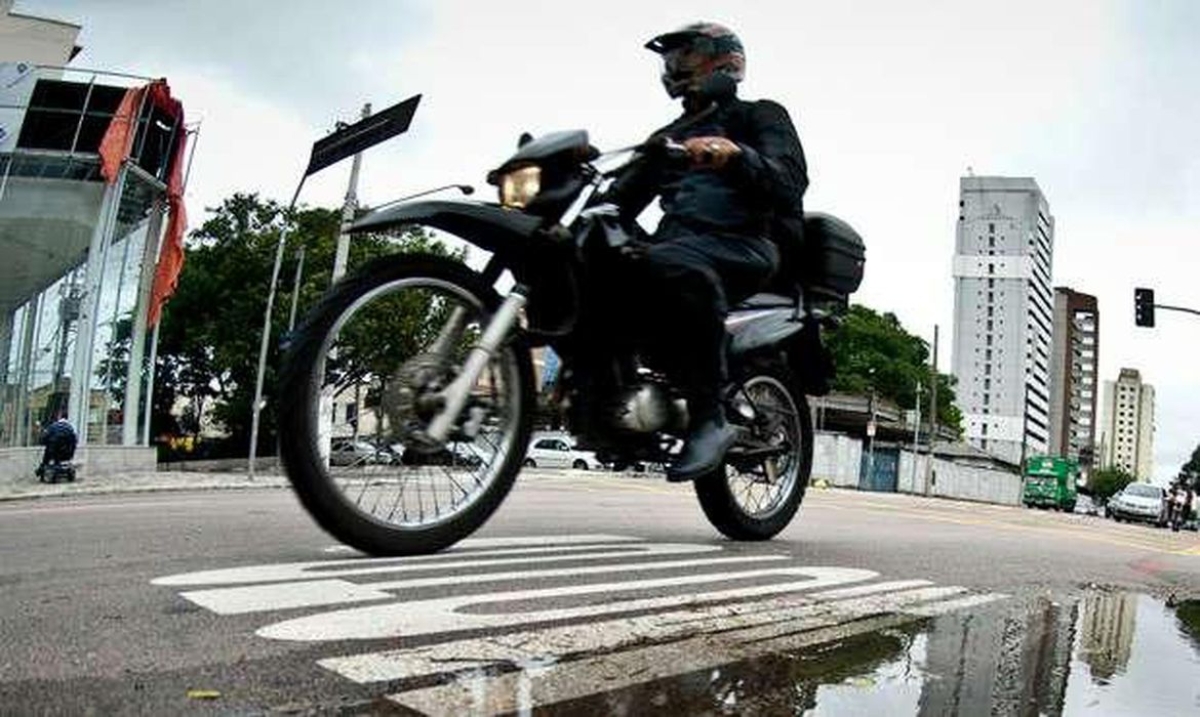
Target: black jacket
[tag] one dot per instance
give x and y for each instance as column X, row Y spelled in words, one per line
column 768, row 178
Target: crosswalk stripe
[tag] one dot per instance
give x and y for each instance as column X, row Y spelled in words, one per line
column 454, row 560
column 284, row 596
column 547, row 682
column 426, row 617
column 741, row 622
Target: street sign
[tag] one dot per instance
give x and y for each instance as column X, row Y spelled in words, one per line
column 367, row 132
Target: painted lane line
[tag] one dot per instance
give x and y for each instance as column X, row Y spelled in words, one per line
column 427, row 617
column 524, row 691
column 510, row 542
column 283, row 596
column 321, row 569
column 964, row 603
column 742, row 621
column 869, row 589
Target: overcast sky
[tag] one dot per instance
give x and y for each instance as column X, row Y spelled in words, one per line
column 894, row 102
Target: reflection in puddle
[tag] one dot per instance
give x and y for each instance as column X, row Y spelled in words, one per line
column 1103, row 653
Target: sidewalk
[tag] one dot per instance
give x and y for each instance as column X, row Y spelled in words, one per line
column 176, row 480
column 141, row 483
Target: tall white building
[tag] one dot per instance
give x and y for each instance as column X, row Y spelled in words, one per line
column 1004, row 315
column 1128, row 435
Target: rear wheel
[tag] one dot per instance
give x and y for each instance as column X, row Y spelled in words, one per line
column 754, row 500
column 580, row 464
column 388, row 340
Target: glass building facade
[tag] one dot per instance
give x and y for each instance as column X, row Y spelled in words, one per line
column 77, row 255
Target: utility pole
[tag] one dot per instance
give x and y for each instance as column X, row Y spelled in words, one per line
column 916, row 436
column 933, row 414
column 342, row 254
column 871, row 428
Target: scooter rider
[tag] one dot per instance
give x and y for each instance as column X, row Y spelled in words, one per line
column 60, row 440
column 712, row 246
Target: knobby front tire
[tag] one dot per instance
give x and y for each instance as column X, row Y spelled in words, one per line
column 377, row 327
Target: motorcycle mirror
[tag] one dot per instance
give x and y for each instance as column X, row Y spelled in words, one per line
column 524, row 139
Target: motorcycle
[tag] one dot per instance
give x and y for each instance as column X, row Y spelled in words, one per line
column 442, row 361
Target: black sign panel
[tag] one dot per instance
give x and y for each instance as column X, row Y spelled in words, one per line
column 365, row 133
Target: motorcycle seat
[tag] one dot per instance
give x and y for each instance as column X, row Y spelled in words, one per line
column 767, row 301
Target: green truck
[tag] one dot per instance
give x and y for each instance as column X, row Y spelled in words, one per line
column 1050, row 483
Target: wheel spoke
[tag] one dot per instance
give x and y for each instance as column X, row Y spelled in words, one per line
column 391, row 349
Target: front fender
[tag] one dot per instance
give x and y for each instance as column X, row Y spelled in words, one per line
column 487, row 226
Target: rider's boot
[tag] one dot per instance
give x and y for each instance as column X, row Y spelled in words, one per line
column 704, row 448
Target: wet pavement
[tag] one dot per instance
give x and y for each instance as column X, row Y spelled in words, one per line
column 1102, row 653
column 594, row 596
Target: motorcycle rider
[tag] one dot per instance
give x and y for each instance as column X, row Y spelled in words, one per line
column 712, row 246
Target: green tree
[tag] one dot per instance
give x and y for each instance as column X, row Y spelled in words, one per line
column 1105, row 482
column 1190, row 471
column 873, row 350
column 209, row 340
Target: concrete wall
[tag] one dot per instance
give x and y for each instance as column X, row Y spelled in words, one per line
column 17, row 464
column 962, row 482
column 837, row 459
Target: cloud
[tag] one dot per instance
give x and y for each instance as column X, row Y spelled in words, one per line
column 894, row 101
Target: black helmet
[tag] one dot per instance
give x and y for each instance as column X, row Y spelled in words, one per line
column 696, row 54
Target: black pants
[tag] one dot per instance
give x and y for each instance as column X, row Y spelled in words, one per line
column 686, row 284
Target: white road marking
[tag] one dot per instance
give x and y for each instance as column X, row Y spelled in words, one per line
column 510, row 542
column 740, row 610
column 427, row 617
column 733, row 621
column 870, row 589
column 320, row 569
column 282, row 596
column 523, row 691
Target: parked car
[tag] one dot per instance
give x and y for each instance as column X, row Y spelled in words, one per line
column 558, row 451
column 349, row 452
column 1141, row 502
column 456, row 453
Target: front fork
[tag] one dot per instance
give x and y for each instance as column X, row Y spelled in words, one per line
column 453, row 398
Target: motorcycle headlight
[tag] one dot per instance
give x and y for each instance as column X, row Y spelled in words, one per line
column 520, row 186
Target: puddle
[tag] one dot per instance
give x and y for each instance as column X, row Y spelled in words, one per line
column 1100, row 654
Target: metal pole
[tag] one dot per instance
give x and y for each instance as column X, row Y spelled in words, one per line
column 1183, row 309
column 933, row 414
column 342, row 254
column 916, row 436
column 296, row 288
column 256, row 407
column 137, row 351
column 871, row 429
column 150, row 385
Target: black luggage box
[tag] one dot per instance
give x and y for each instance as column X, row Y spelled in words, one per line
column 834, row 255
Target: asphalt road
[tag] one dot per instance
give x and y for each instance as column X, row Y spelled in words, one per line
column 601, row 592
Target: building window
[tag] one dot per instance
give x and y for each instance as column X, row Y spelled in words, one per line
column 991, row 228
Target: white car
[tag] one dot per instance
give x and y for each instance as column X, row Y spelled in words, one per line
column 1139, row 501
column 551, row 451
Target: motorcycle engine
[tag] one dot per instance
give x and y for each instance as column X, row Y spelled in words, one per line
column 648, row 408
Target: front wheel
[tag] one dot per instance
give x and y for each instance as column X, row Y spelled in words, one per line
column 756, row 499
column 369, row 363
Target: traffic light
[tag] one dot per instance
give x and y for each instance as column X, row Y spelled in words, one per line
column 1143, row 307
